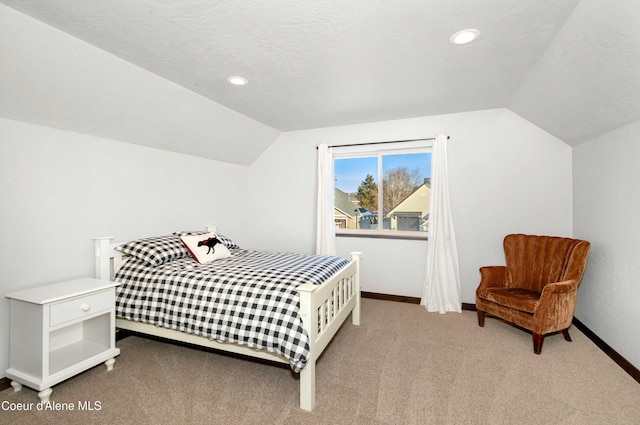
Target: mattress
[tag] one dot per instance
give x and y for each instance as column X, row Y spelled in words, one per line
column 249, row 298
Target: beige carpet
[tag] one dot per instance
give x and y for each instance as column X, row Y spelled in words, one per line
column 402, row 366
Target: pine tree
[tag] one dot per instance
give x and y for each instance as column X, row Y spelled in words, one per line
column 367, row 194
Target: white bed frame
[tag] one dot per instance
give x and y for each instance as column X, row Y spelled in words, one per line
column 324, row 308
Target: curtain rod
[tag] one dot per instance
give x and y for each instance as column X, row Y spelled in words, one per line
column 382, row 143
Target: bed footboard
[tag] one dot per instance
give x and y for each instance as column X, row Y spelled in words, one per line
column 324, row 308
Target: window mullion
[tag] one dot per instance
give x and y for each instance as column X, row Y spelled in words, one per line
column 380, row 192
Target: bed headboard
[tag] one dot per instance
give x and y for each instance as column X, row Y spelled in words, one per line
column 108, row 259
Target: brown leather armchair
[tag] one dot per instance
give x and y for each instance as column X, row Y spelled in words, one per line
column 537, row 288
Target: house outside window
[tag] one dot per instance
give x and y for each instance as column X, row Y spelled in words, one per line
column 382, row 192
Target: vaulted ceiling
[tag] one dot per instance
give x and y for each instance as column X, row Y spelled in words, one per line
column 569, row 66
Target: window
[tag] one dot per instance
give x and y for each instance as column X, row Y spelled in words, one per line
column 382, row 192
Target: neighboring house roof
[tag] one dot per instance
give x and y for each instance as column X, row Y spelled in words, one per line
column 365, row 213
column 418, row 201
column 343, row 203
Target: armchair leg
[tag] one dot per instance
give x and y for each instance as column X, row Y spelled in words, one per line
column 565, row 333
column 538, row 340
column 480, row 318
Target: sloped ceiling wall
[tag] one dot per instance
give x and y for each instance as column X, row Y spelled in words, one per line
column 587, row 82
column 568, row 66
column 50, row 78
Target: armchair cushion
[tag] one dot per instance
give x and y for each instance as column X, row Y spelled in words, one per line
column 516, row 298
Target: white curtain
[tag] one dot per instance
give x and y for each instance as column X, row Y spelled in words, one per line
column 441, row 291
column 325, row 231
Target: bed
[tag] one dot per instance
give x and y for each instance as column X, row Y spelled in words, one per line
column 281, row 307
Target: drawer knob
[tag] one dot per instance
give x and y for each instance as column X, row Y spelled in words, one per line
column 85, row 307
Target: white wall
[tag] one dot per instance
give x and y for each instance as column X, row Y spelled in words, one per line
column 607, row 213
column 58, row 189
column 506, row 175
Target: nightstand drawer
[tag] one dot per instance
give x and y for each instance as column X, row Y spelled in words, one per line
column 81, row 307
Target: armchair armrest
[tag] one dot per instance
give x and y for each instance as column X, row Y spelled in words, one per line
column 493, row 276
column 556, row 306
column 560, row 287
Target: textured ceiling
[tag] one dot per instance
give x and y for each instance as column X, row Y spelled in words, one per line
column 568, row 66
column 587, row 82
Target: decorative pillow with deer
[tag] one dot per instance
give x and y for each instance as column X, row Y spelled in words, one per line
column 206, row 247
column 225, row 240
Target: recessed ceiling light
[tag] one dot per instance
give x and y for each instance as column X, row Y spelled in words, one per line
column 237, row 80
column 464, row 36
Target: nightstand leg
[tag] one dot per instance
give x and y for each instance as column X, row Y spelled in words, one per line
column 109, row 364
column 17, row 386
column 44, row 395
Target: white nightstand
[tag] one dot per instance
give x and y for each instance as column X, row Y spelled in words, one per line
column 60, row 330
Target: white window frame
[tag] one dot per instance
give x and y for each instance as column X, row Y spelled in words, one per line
column 379, row 150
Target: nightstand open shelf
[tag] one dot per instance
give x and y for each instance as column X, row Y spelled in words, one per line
column 60, row 330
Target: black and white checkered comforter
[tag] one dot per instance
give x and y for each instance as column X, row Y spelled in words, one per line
column 249, row 298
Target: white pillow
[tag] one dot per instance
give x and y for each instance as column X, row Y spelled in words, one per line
column 206, row 247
